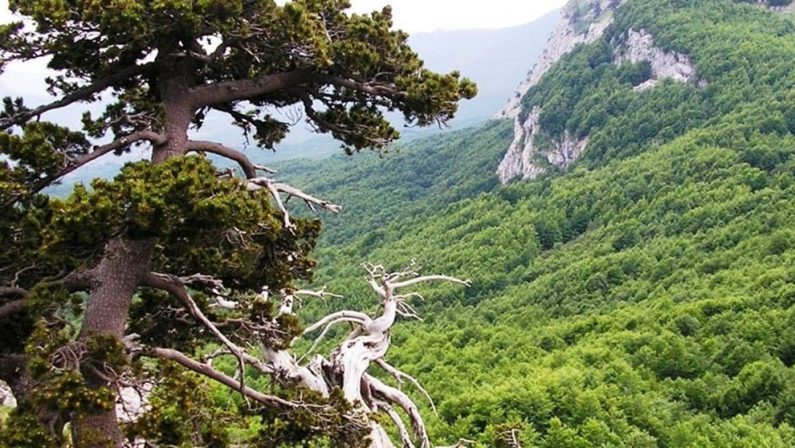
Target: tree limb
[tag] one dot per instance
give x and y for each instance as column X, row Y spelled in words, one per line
column 399, row 376
column 429, row 278
column 13, row 307
column 243, row 89
column 249, row 169
column 405, row 437
column 351, row 316
column 99, row 151
column 175, row 286
column 275, row 188
column 321, row 125
column 75, row 281
column 80, row 94
column 208, row 371
column 390, row 394
column 12, row 291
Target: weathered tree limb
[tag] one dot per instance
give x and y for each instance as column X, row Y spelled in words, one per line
column 405, row 437
column 400, row 376
column 208, row 371
column 177, row 288
column 462, row 443
column 390, row 394
column 275, row 188
column 350, row 316
column 347, row 366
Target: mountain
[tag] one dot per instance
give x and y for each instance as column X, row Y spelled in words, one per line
column 495, row 59
column 555, row 113
column 637, row 288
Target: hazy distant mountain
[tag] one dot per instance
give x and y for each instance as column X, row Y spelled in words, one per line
column 497, row 60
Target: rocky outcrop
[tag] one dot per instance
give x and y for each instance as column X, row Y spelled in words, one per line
column 6, row 396
column 530, row 159
column 774, row 5
column 639, row 46
column 583, row 22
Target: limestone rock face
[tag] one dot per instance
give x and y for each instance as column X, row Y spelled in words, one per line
column 639, row 46
column 584, row 21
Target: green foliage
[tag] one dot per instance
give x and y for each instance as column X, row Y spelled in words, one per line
column 181, row 412
column 263, row 38
column 297, row 427
column 204, row 224
column 642, row 299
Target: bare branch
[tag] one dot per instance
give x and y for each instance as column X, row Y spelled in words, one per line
column 429, row 278
column 462, row 443
column 275, row 188
column 208, row 371
column 350, row 316
column 399, row 376
column 392, row 395
column 405, row 437
column 80, row 94
column 177, row 288
column 323, row 333
column 321, row 294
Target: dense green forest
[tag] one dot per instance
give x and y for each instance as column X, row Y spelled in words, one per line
column 643, row 298
column 646, row 297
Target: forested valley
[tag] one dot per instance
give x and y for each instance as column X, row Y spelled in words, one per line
column 641, row 296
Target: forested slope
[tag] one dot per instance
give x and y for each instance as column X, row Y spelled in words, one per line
column 642, row 298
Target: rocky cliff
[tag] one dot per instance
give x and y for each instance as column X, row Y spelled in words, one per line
column 582, row 22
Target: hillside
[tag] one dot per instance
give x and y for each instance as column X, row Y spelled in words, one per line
column 643, row 293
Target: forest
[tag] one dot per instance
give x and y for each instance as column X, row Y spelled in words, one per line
column 644, row 297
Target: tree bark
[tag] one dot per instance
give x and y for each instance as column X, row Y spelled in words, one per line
column 126, row 261
column 115, row 281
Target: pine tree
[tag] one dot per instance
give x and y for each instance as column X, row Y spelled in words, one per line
column 158, row 251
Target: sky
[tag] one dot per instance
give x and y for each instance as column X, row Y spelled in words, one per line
column 429, row 15
column 413, row 16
